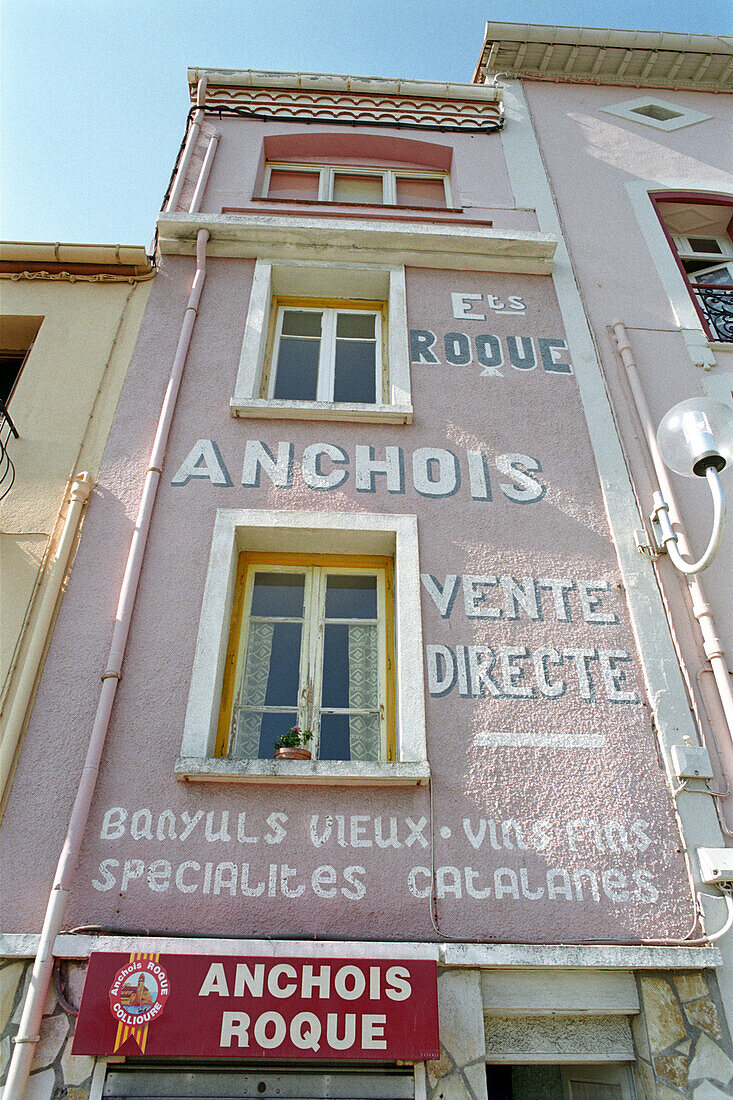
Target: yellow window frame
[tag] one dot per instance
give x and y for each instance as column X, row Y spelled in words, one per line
column 247, row 565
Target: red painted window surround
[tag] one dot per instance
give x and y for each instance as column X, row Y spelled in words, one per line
column 380, row 150
column 418, row 213
column 352, row 149
column 697, row 198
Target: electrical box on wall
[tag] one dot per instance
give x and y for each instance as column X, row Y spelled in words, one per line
column 716, row 865
column 691, row 762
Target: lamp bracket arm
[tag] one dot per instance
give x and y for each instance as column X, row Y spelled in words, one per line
column 666, row 539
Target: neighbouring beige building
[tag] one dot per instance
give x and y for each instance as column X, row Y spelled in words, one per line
column 69, row 318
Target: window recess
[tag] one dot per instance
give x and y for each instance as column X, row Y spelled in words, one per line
column 309, row 619
column 325, row 342
column 698, row 230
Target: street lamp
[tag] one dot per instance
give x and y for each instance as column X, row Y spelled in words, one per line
column 695, row 439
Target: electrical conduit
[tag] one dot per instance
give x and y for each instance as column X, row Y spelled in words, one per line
column 30, row 1024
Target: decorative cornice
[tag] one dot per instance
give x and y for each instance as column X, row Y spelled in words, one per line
column 650, row 59
column 293, row 96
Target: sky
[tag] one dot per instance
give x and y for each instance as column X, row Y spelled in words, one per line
column 95, row 97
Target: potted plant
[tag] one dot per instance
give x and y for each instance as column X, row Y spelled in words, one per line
column 293, row 744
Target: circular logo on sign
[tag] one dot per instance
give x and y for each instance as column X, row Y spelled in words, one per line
column 139, row 992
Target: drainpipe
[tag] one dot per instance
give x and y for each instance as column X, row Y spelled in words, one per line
column 193, row 136
column 80, row 491
column 711, row 642
column 30, row 1024
column 204, row 173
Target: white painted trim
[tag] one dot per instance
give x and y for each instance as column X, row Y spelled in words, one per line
column 280, row 531
column 540, row 739
column 99, row 1073
column 335, row 82
column 483, row 956
column 263, row 409
column 421, row 1081
column 674, row 285
column 551, row 992
column 324, row 280
column 350, row 773
column 663, row 679
column 685, row 116
column 441, row 244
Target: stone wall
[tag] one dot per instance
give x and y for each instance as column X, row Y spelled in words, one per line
column 683, row 1045
column 56, row 1073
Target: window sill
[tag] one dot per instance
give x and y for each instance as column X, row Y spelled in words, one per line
column 410, row 773
column 321, row 410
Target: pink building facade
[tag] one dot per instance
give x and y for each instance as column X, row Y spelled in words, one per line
column 381, row 498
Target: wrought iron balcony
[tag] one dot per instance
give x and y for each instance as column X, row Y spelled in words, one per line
column 7, row 469
column 716, row 303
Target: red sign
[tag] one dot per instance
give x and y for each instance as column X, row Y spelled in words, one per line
column 204, row 1006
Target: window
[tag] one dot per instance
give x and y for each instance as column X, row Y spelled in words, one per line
column 698, row 230
column 659, row 113
column 17, row 335
column 309, row 619
column 307, row 354
column 310, row 645
column 357, row 185
column 327, row 353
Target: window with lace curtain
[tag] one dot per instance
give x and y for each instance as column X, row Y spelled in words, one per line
column 310, row 645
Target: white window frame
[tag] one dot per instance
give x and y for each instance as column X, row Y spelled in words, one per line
column 715, row 260
column 701, row 349
column 327, row 347
column 303, row 279
column 389, row 176
column 237, row 530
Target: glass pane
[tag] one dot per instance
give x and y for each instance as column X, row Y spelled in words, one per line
column 355, row 326
column 349, row 737
column 355, row 372
column 271, row 667
column 348, row 187
column 297, row 369
column 283, row 678
column 255, row 734
column 717, row 276
column 278, row 594
column 705, row 244
column 420, row 192
column 351, row 597
column 287, row 184
column 350, row 667
column 302, row 322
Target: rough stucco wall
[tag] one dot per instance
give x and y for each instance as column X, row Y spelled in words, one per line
column 615, row 795
column 235, row 176
column 590, row 158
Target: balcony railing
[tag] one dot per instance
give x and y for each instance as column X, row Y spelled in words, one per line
column 716, row 303
column 7, row 469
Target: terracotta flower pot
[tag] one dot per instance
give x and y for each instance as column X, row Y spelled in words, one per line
column 292, row 754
